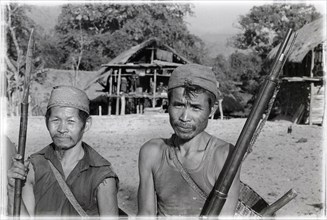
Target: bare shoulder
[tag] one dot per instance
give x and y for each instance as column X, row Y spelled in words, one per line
column 221, row 149
column 153, row 146
column 151, row 151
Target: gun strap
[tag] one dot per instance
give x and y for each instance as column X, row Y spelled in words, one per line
column 68, row 193
column 186, row 176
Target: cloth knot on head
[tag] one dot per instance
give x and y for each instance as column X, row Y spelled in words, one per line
column 69, row 96
column 188, row 82
column 194, row 74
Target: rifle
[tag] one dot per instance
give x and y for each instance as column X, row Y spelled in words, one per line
column 218, row 194
column 23, row 123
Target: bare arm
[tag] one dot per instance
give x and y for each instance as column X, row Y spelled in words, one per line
column 148, row 157
column 107, row 198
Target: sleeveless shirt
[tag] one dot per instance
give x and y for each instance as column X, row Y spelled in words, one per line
column 174, row 195
column 83, row 181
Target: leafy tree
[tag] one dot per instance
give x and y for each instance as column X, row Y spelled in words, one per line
column 265, row 26
column 18, row 30
column 221, row 68
column 246, row 68
column 92, row 34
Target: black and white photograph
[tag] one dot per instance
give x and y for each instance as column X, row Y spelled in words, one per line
column 170, row 109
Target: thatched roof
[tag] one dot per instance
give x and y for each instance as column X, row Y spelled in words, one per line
column 309, row 36
column 127, row 57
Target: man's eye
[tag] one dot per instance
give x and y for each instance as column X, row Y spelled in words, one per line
column 178, row 105
column 71, row 121
column 196, row 108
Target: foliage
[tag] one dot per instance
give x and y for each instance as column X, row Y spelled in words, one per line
column 262, row 29
column 95, row 33
column 221, row 68
column 265, row 26
column 18, row 29
column 246, row 68
column 19, row 25
column 242, row 68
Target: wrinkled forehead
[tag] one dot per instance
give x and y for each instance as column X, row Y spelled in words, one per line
column 64, row 111
column 182, row 95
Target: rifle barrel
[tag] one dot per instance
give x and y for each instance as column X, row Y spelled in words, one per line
column 218, row 195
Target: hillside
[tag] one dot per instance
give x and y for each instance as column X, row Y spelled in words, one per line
column 216, row 44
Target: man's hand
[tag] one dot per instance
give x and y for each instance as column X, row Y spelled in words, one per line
column 17, row 171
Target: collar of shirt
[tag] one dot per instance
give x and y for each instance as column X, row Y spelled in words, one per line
column 91, row 157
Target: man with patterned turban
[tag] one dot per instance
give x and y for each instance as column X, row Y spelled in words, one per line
column 177, row 174
column 88, row 175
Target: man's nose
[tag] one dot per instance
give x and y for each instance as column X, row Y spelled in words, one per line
column 62, row 128
column 185, row 115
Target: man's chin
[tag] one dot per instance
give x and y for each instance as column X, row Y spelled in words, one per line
column 184, row 136
column 61, row 146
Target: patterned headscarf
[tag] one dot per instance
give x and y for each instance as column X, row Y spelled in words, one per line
column 194, row 74
column 69, row 96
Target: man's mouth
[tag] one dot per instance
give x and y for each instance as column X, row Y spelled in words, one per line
column 61, row 137
column 184, row 127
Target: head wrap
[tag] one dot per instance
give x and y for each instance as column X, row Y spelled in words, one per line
column 69, row 96
column 194, row 74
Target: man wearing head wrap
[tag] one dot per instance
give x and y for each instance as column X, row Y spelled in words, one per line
column 88, row 175
column 163, row 190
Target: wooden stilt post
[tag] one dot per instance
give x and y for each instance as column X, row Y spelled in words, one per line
column 220, row 104
column 154, row 89
column 110, row 93
column 118, row 91
column 122, row 107
column 324, row 63
column 311, row 86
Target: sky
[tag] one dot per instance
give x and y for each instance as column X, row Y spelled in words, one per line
column 214, row 21
column 221, row 16
column 215, row 16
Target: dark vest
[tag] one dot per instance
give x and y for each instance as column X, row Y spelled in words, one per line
column 83, row 181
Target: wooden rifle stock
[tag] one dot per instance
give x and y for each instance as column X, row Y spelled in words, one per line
column 271, row 209
column 23, row 124
column 218, row 195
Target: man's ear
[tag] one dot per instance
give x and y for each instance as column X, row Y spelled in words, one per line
column 88, row 124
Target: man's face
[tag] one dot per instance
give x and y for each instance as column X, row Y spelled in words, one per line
column 65, row 127
column 188, row 117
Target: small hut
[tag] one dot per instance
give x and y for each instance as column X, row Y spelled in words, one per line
column 301, row 97
column 136, row 80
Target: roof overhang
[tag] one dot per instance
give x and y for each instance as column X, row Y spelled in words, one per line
column 308, row 37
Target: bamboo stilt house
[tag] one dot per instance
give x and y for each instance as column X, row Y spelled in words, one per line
column 135, row 80
column 301, row 97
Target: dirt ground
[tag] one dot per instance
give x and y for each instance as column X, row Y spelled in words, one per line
column 279, row 161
